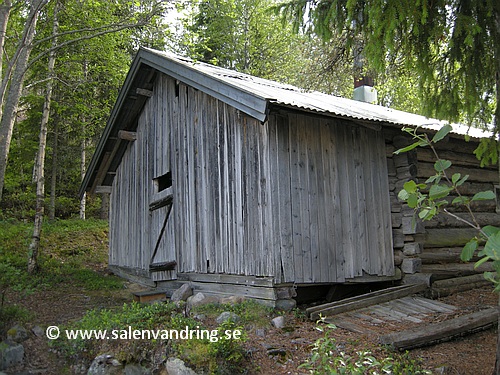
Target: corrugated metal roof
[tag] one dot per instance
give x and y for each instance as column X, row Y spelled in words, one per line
column 291, row 96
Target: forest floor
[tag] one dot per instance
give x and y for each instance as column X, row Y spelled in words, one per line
column 473, row 354
column 64, row 302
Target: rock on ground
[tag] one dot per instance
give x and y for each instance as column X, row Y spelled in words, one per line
column 227, row 316
column 182, row 293
column 176, row 366
column 11, row 354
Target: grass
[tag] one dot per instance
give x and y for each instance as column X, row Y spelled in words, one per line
column 73, row 254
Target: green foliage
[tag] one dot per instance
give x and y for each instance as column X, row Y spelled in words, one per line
column 450, row 48
column 250, row 312
column 328, row 358
column 242, row 35
column 74, row 252
column 215, row 352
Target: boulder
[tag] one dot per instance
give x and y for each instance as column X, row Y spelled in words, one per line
column 17, row 334
column 176, row 366
column 200, row 299
column 182, row 294
column 11, row 354
column 278, row 322
column 105, row 364
column 232, row 300
column 227, row 316
column 136, row 369
column 285, row 304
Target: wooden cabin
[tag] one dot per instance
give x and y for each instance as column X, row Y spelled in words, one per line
column 241, row 185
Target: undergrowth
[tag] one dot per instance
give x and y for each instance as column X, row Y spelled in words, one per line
column 327, row 358
column 73, row 254
column 212, row 350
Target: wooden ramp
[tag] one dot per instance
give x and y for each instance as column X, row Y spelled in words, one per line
column 401, row 319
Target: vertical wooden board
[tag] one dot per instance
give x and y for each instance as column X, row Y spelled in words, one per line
column 284, row 197
column 361, row 144
column 304, row 149
column 232, row 125
column 201, row 182
column 166, row 97
column 226, row 189
column 181, row 181
column 345, row 186
column 250, row 206
column 259, row 259
column 265, row 192
column 337, row 253
column 212, row 164
column 191, row 196
column 297, row 208
column 274, row 228
column 238, row 203
column 326, row 212
column 247, row 198
column 313, row 149
column 321, row 269
column 370, row 257
column 378, row 216
column 387, row 258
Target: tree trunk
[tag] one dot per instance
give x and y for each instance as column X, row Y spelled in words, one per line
column 496, row 121
column 83, row 201
column 53, row 179
column 4, row 20
column 40, row 162
column 9, row 109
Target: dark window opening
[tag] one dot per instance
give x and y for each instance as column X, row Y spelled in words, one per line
column 176, row 89
column 164, row 182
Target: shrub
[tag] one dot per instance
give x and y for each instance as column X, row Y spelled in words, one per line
column 326, row 358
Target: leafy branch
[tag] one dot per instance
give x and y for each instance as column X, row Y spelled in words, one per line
column 428, row 200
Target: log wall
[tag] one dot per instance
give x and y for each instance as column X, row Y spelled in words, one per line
column 434, row 246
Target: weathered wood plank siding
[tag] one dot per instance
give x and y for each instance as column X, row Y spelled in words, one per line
column 134, row 229
column 299, row 198
column 330, row 199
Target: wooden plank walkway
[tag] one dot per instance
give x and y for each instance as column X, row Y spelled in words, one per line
column 404, row 320
column 409, row 309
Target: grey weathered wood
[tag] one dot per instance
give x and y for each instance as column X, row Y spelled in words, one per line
column 127, row 135
column 144, row 92
column 365, row 300
column 455, row 270
column 102, row 189
column 439, row 332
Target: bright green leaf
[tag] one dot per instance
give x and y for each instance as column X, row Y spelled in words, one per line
column 432, row 179
column 461, row 182
column 441, row 165
column 455, row 177
column 490, row 230
column 468, row 250
column 460, row 200
column 492, row 246
column 410, row 147
column 403, row 195
column 410, row 186
column 422, row 214
column 439, row 191
column 481, row 261
column 483, row 195
column 412, row 200
column 443, row 132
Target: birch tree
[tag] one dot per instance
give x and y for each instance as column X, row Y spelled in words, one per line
column 40, row 160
